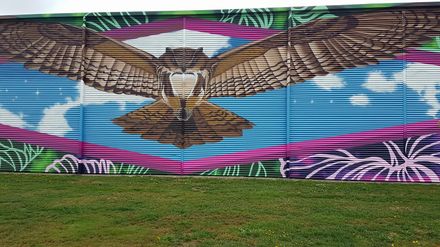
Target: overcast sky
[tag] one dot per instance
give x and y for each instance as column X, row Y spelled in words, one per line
column 15, row 7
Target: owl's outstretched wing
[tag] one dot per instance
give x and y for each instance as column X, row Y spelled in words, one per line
column 320, row 47
column 77, row 53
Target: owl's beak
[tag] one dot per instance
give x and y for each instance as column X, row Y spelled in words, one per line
column 183, row 114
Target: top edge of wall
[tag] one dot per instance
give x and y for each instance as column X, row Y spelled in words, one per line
column 335, row 7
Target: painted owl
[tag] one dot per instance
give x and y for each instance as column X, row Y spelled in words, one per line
column 182, row 80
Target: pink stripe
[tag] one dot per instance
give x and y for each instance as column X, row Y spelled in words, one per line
column 189, row 23
column 421, row 56
column 3, row 59
column 228, row 29
column 146, row 29
column 299, row 149
column 88, row 149
column 305, row 148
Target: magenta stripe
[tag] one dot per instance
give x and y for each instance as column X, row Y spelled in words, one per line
column 421, row 56
column 146, row 29
column 3, row 59
column 305, row 148
column 42, row 139
column 228, row 29
column 299, row 149
column 195, row 24
column 97, row 151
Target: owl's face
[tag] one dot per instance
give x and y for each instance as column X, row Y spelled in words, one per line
column 182, row 77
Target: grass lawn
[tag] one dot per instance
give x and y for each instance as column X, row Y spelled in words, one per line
column 45, row 210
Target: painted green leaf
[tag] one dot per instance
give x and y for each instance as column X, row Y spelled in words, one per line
column 300, row 15
column 107, row 21
column 69, row 163
column 433, row 46
column 45, row 158
column 17, row 156
column 262, row 17
column 270, row 168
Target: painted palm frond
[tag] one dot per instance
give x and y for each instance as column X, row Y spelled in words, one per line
column 17, row 156
column 256, row 169
column 284, row 167
column 107, row 21
column 128, row 169
column 300, row 15
column 413, row 160
column 71, row 164
column 262, row 17
column 67, row 164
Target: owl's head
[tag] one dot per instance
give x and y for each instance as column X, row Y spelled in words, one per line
column 182, row 76
column 184, row 59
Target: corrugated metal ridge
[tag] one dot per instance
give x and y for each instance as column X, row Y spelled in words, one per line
column 218, row 11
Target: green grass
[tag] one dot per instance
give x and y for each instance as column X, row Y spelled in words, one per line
column 44, row 210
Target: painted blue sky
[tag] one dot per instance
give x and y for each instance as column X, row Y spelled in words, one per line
column 351, row 101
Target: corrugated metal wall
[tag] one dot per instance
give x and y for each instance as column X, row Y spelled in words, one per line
column 273, row 115
column 306, row 124
column 26, row 93
column 129, row 81
column 51, row 124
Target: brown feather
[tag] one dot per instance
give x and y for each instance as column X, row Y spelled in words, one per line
column 320, row 47
column 209, row 123
column 57, row 49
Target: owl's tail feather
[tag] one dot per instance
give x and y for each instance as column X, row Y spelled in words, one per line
column 209, row 123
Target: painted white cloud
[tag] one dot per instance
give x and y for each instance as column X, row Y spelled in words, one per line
column 425, row 80
column 12, row 119
column 156, row 44
column 360, row 100
column 94, row 96
column 329, row 82
column 54, row 121
column 378, row 83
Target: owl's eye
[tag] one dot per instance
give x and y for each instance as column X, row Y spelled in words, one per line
column 164, row 96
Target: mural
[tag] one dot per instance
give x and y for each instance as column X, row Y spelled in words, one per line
column 408, row 160
column 320, row 92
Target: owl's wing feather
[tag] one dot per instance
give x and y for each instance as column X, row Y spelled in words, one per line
column 318, row 48
column 77, row 53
